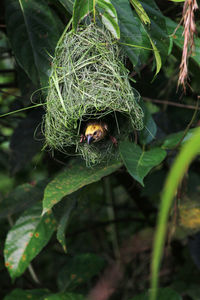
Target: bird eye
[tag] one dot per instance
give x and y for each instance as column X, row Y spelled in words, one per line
column 95, row 133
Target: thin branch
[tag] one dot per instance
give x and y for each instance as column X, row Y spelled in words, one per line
column 171, row 103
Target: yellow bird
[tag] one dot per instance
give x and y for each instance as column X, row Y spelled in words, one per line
column 95, row 131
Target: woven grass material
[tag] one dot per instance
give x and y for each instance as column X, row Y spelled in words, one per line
column 88, row 81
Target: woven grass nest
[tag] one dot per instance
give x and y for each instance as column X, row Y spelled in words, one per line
column 89, row 82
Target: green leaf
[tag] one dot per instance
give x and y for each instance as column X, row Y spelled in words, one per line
column 64, row 220
column 26, row 239
column 177, row 171
column 75, row 272
column 65, row 296
column 19, row 294
column 163, row 294
column 109, row 17
column 172, row 140
column 33, row 32
column 138, row 162
column 157, row 57
column 21, row 198
column 140, row 11
column 177, row 0
column 81, row 9
column 72, row 179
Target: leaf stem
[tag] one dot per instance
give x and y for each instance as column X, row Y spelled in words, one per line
column 33, row 274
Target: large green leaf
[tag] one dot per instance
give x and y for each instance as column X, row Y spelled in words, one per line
column 19, row 294
column 72, row 179
column 139, row 162
column 33, row 32
column 76, row 273
column 26, row 239
column 163, row 294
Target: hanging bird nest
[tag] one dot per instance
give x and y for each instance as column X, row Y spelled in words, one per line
column 89, row 82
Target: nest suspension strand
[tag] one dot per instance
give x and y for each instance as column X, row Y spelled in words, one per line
column 88, row 81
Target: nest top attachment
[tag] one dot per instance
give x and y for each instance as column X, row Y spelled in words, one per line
column 88, row 81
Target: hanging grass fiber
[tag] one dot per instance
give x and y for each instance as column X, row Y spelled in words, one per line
column 89, row 82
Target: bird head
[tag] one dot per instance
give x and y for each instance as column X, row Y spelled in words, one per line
column 95, row 132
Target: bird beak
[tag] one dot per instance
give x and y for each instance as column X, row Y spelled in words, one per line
column 89, row 139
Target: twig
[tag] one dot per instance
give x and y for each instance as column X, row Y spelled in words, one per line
column 171, row 103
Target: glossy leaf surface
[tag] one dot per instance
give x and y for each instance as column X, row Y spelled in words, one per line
column 33, row 31
column 72, row 179
column 26, row 239
column 139, row 162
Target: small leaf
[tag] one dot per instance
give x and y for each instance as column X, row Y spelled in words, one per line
column 33, row 31
column 72, row 179
column 140, row 11
column 26, row 239
column 109, row 17
column 157, row 57
column 81, row 9
column 19, row 294
column 138, row 162
column 75, row 273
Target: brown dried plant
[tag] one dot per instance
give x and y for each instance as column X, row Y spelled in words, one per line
column 188, row 20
